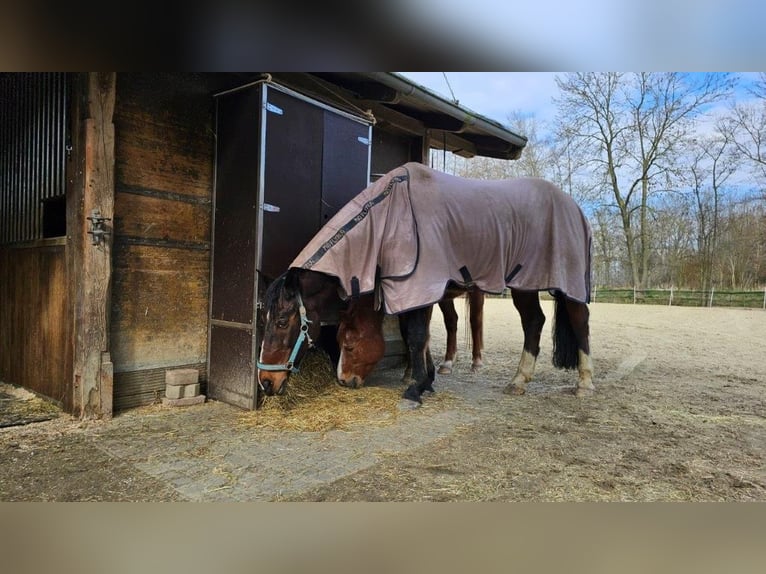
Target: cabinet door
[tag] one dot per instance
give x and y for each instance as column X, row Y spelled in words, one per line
column 285, row 164
column 231, row 348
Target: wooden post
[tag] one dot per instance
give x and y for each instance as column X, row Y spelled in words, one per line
column 91, row 265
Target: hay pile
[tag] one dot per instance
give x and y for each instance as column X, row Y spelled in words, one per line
column 19, row 406
column 314, row 402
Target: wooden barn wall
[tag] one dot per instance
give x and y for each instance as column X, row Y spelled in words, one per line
column 34, row 327
column 162, row 219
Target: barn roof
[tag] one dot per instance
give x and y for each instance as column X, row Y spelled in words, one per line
column 467, row 132
column 409, row 107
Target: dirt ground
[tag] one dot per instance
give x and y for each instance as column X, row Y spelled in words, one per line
column 680, row 414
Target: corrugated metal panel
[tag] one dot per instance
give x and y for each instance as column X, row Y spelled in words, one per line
column 33, row 138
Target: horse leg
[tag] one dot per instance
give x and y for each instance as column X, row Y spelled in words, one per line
column 447, row 307
column 476, row 307
column 532, row 320
column 407, row 376
column 404, row 321
column 579, row 320
column 419, row 353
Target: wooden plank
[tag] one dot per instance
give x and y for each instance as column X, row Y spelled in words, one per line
column 155, row 218
column 164, row 183
column 93, row 189
column 157, row 157
column 165, row 132
column 160, row 306
column 33, row 319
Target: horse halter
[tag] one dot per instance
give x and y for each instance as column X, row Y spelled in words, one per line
column 302, row 336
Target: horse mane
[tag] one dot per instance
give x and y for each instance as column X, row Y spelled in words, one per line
column 273, row 292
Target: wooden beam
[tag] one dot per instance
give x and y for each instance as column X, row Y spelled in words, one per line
column 442, row 122
column 92, row 189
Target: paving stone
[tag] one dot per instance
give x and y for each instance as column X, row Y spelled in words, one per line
column 183, row 402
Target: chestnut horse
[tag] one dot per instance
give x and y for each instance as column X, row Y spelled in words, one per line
column 360, row 333
column 362, row 346
column 475, row 302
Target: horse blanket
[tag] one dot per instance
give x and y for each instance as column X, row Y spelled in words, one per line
column 415, row 231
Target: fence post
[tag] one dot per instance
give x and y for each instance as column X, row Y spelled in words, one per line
column 634, row 294
column 670, row 303
column 712, row 290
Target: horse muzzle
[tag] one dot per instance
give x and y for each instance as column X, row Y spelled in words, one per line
column 352, row 381
column 273, row 382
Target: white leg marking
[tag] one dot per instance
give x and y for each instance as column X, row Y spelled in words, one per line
column 523, row 375
column 585, row 368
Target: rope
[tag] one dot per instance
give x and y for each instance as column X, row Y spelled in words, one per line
column 454, row 99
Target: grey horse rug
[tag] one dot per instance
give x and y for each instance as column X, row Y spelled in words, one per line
column 414, row 231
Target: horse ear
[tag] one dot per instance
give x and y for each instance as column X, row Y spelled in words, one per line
column 292, row 281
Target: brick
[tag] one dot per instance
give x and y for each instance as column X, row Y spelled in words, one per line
column 181, row 377
column 191, row 390
column 184, row 402
column 174, row 391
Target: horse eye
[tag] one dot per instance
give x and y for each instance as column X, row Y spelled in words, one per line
column 282, row 323
column 348, row 348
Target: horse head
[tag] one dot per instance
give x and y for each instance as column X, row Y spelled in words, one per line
column 361, row 342
column 292, row 305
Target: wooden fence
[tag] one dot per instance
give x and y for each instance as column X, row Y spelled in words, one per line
column 682, row 297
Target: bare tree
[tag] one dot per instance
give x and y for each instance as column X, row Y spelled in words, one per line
column 711, row 163
column 535, row 161
column 747, row 128
column 632, row 124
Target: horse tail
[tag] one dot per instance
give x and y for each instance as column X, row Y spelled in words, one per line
column 565, row 355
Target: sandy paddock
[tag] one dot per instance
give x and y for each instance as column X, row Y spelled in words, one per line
column 679, row 414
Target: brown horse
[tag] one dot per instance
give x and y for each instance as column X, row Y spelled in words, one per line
column 360, row 338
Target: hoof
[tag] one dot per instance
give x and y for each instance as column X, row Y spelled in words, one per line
column 444, row 370
column 475, row 368
column 412, row 394
column 408, row 405
column 585, row 391
column 513, row 389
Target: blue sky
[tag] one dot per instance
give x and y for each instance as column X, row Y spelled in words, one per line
column 602, row 34
column 497, row 94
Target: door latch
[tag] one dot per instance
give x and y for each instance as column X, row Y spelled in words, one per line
column 98, row 229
